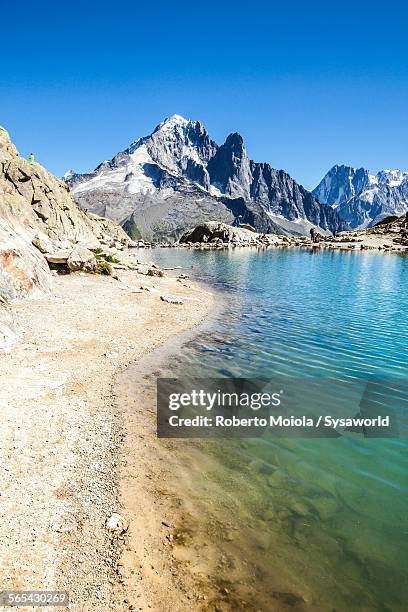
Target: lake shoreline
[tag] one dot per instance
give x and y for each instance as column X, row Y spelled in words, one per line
column 154, row 576
column 357, row 241
column 263, row 520
column 92, row 449
column 62, row 431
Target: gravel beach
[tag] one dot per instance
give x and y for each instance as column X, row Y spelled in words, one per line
column 61, row 429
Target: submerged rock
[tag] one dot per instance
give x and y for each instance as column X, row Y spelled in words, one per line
column 299, row 508
column 326, row 507
column 269, row 514
column 277, row 479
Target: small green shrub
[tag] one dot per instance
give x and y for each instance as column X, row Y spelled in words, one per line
column 104, row 268
column 101, row 256
column 111, row 259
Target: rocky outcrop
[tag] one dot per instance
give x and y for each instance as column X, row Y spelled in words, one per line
column 390, row 235
column 51, row 209
column 214, row 233
column 37, row 217
column 178, row 177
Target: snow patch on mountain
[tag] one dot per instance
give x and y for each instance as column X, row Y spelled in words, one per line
column 130, row 172
column 394, row 178
column 178, row 176
column 361, row 197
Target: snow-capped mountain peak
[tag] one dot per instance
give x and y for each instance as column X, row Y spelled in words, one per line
column 393, row 178
column 172, row 127
column 175, row 121
column 361, row 197
column 177, row 176
column 180, row 146
column 68, row 175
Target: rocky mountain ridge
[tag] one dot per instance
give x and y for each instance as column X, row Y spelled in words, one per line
column 177, row 177
column 362, row 198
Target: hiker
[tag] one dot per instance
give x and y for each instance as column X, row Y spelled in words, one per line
column 312, row 234
column 31, row 157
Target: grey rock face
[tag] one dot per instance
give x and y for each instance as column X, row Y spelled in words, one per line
column 178, row 177
column 361, row 198
column 230, row 169
column 37, row 213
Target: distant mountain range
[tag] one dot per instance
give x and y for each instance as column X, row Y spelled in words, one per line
column 177, row 177
column 362, row 198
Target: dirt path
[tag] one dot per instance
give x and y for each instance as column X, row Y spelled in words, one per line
column 60, row 429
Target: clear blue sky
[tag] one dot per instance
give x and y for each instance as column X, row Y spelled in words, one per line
column 308, row 84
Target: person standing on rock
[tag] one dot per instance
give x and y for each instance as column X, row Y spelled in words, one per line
column 312, row 234
column 31, row 158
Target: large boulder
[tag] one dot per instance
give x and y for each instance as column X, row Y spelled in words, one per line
column 72, row 259
column 215, row 232
column 23, row 271
column 58, row 256
column 82, row 259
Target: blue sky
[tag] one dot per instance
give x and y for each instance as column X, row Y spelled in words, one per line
column 307, row 84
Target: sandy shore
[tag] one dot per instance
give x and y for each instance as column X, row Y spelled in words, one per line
column 187, row 549
column 61, row 433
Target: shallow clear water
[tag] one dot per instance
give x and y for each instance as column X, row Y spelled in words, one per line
column 333, row 512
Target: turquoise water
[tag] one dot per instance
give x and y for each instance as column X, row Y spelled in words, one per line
column 333, row 513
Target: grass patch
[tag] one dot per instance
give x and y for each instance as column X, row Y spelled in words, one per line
column 101, row 256
column 104, row 268
column 111, row 259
